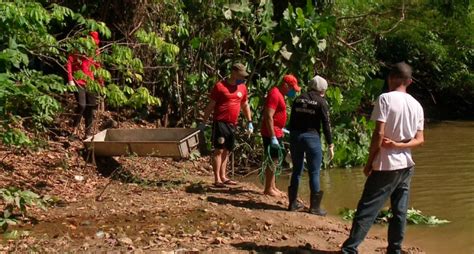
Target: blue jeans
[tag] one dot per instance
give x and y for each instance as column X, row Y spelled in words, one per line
column 308, row 143
column 381, row 185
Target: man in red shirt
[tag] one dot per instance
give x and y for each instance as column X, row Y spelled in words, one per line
column 274, row 121
column 226, row 99
column 86, row 101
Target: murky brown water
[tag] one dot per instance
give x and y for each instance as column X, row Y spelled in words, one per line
column 443, row 186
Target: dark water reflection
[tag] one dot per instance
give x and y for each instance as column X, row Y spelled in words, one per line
column 443, row 186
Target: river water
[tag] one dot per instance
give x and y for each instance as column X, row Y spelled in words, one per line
column 443, row 186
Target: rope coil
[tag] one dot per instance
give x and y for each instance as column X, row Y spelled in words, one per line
column 268, row 162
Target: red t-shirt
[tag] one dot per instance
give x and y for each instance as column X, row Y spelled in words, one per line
column 76, row 63
column 228, row 99
column 276, row 101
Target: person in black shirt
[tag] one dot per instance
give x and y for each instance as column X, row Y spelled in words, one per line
column 308, row 114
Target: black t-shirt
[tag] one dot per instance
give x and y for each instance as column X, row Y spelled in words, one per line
column 309, row 112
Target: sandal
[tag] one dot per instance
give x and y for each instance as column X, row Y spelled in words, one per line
column 219, row 185
column 230, row 182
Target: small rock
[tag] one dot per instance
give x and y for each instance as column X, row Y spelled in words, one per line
column 79, row 178
column 218, row 240
column 125, row 240
column 85, row 223
column 285, row 237
column 100, row 234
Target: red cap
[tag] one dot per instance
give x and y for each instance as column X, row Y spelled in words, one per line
column 292, row 81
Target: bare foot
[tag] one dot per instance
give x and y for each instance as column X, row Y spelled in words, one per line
column 272, row 193
column 280, row 193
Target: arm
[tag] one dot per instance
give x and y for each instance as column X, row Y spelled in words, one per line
column 209, row 109
column 418, row 140
column 268, row 114
column 327, row 129
column 375, row 144
column 326, row 124
column 247, row 112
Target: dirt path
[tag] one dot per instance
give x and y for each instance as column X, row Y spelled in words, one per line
column 163, row 205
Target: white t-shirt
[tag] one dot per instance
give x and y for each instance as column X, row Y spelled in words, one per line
column 403, row 117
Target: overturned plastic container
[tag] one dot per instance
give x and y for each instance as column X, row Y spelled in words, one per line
column 161, row 142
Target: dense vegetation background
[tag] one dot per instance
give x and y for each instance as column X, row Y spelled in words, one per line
column 161, row 57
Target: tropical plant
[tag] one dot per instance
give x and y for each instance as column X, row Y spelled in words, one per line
column 16, row 200
column 413, row 217
column 29, row 96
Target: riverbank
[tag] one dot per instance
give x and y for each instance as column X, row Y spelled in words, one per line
column 160, row 205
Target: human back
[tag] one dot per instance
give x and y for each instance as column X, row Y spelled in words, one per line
column 405, row 115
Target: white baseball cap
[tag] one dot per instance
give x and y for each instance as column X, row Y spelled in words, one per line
column 318, row 83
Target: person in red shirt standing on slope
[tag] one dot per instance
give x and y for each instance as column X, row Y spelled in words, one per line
column 274, row 121
column 226, row 99
column 86, row 101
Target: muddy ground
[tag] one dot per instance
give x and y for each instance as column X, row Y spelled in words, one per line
column 155, row 205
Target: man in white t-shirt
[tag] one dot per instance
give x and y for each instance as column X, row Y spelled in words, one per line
column 399, row 127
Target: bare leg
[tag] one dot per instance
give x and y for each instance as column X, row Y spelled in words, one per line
column 270, row 183
column 223, row 167
column 273, row 183
column 216, row 164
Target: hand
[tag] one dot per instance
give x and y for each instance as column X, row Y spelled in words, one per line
column 201, row 126
column 71, row 83
column 388, row 143
column 250, row 128
column 367, row 169
column 275, row 143
column 286, row 131
column 331, row 152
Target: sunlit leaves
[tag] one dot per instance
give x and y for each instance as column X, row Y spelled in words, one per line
column 116, row 97
column 16, row 200
column 158, row 43
column 142, row 97
column 414, row 216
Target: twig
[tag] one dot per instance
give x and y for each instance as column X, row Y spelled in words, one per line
column 364, row 15
column 398, row 22
column 251, row 173
column 347, row 44
column 117, row 169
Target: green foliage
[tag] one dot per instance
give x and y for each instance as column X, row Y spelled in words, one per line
column 413, row 217
column 17, row 200
column 179, row 52
column 352, row 140
column 28, row 97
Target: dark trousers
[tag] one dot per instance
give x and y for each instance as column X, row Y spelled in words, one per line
column 309, row 144
column 86, row 104
column 381, row 185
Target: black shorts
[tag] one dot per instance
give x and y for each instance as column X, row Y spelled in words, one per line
column 223, row 135
column 273, row 151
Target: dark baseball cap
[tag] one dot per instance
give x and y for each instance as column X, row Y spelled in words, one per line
column 240, row 69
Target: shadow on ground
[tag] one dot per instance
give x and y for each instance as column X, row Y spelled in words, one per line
column 201, row 188
column 283, row 249
column 250, row 204
column 6, row 167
